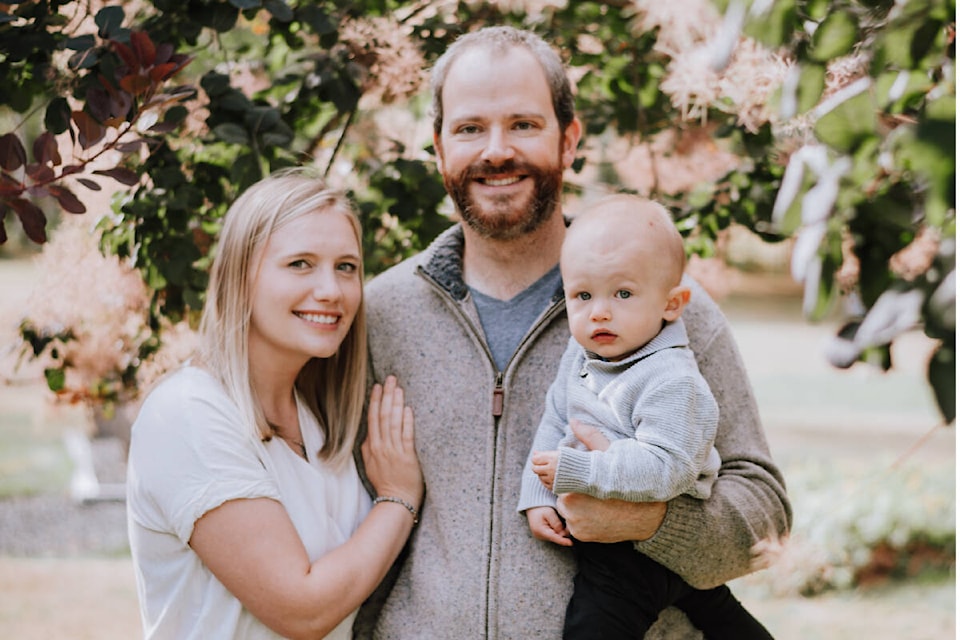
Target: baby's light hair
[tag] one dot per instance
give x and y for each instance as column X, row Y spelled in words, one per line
column 649, row 222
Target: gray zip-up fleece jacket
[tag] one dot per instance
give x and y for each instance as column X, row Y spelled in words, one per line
column 472, row 570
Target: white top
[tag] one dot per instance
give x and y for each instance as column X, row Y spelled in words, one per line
column 188, row 455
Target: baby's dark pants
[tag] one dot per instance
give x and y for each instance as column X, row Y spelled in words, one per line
column 618, row 593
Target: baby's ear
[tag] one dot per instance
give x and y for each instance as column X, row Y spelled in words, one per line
column 677, row 299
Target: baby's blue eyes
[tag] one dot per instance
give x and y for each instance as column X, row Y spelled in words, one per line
column 622, row 294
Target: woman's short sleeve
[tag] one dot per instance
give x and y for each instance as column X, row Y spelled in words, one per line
column 189, row 453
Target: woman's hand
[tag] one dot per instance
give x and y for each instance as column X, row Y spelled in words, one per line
column 389, row 454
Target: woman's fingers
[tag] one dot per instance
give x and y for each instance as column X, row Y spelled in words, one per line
column 390, row 422
column 373, row 415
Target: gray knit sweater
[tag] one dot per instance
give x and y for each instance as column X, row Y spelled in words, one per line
column 655, row 409
column 472, row 570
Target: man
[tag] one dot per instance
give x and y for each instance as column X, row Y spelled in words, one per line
column 474, row 328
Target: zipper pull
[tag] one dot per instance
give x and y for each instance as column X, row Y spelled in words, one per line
column 498, row 396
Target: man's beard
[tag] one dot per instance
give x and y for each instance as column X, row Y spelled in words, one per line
column 501, row 219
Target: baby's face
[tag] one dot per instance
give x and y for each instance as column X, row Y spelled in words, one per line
column 616, row 294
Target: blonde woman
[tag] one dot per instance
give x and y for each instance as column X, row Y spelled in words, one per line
column 247, row 517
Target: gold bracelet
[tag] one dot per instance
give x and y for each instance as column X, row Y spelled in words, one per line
column 402, row 502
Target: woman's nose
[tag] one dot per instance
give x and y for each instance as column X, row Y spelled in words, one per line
column 326, row 286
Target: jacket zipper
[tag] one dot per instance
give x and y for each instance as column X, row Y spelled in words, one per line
column 498, row 389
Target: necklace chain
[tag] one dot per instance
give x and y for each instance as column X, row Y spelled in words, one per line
column 294, row 441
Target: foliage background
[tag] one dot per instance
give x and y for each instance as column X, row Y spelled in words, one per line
column 831, row 122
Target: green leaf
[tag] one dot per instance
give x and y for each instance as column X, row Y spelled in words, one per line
column 80, row 43
column 57, row 117
column 215, row 84
column 848, row 124
column 318, row 19
column 835, row 36
column 246, row 4
column 775, row 27
column 279, row 10
column 109, row 20
column 810, row 87
column 56, row 379
column 942, row 373
column 222, row 17
column 245, row 171
column 232, row 133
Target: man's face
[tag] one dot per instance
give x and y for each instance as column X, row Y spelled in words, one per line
column 501, row 151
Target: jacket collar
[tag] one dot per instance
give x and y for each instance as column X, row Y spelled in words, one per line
column 444, row 264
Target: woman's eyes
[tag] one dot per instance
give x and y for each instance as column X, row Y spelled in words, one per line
column 345, row 267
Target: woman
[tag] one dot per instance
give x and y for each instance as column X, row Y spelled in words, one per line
column 247, row 517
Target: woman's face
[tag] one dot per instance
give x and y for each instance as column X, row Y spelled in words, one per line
column 306, row 290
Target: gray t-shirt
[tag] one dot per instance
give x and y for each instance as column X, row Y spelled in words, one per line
column 505, row 322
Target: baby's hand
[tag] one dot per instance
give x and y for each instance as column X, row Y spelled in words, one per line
column 545, row 524
column 544, row 464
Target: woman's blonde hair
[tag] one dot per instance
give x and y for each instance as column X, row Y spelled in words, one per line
column 335, row 387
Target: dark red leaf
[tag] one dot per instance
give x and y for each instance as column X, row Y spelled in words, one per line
column 127, row 55
column 181, row 60
column 143, row 47
column 98, row 103
column 162, row 71
column 129, row 147
column 9, row 186
column 89, row 184
column 164, row 51
column 89, row 131
column 121, row 175
column 164, row 127
column 107, row 84
column 120, row 105
column 135, row 84
column 32, row 218
column 12, row 153
column 67, row 199
column 71, row 169
column 39, row 172
column 45, row 149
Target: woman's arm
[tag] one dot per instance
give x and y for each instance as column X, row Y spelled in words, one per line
column 252, row 547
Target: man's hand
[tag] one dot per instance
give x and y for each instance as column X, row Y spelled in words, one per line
column 589, row 435
column 545, row 524
column 593, row 520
